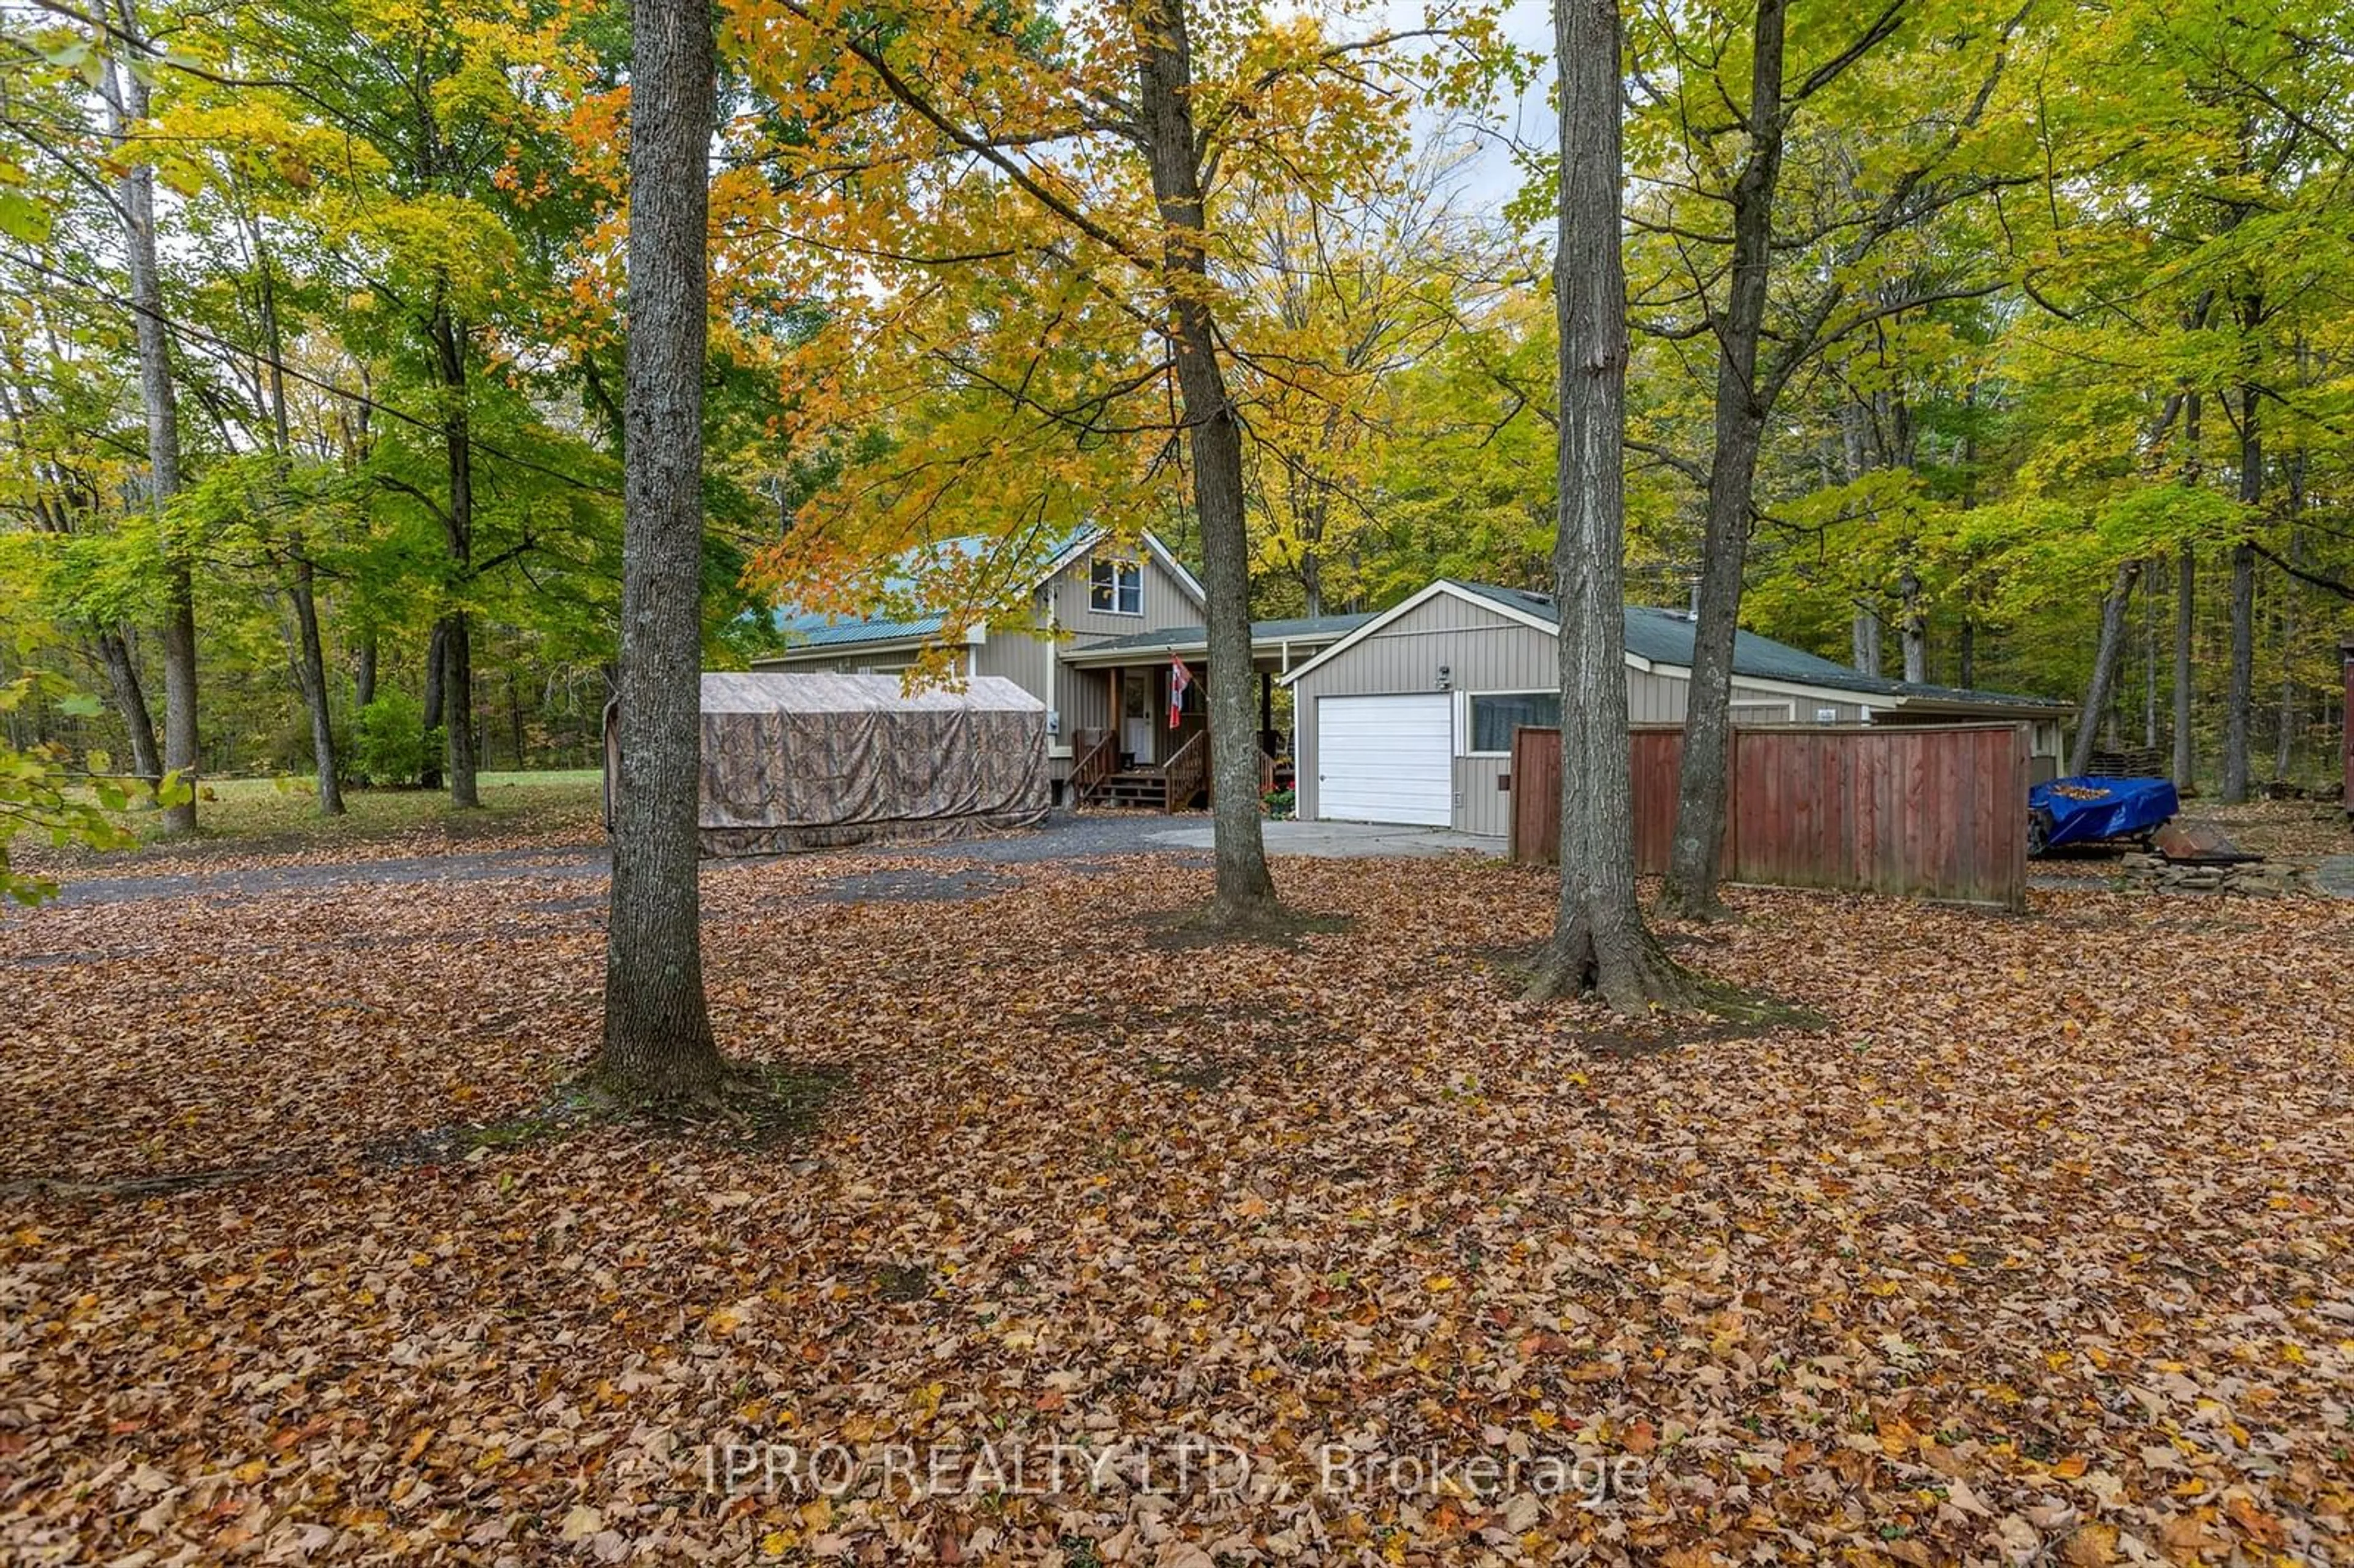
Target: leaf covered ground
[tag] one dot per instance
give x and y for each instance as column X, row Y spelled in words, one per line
column 2039, row 1252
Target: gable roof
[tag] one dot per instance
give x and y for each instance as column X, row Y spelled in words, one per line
column 1656, row 636
column 805, row 630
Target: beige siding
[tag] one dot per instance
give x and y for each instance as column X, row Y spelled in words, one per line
column 1485, row 651
column 1483, row 808
column 1167, row 602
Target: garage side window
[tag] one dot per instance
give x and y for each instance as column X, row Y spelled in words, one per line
column 1493, row 718
column 1116, row 588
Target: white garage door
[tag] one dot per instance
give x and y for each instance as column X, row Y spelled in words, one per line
column 1387, row 759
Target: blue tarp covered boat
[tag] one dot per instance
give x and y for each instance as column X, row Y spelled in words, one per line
column 2079, row 811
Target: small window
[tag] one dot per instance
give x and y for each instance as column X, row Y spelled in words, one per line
column 1116, row 587
column 1493, row 719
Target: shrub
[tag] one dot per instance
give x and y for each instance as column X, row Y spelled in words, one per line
column 392, row 744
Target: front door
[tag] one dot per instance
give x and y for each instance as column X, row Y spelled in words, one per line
column 1138, row 688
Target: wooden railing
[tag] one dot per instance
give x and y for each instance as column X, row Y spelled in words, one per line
column 1096, row 761
column 1187, row 771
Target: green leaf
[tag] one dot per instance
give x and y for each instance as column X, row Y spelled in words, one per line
column 81, row 705
column 22, row 217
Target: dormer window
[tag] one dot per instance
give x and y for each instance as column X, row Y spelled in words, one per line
column 1115, row 587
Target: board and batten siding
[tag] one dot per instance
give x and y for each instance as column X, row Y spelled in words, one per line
column 1482, row 650
column 1486, row 652
column 1167, row 601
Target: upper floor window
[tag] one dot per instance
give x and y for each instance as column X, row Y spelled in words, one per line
column 1116, row 587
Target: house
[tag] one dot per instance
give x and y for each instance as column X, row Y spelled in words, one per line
column 1408, row 717
column 1108, row 618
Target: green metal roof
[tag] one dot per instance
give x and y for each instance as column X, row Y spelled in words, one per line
column 1301, row 628
column 1665, row 637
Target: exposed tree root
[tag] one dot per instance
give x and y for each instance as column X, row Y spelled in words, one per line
column 759, row 1101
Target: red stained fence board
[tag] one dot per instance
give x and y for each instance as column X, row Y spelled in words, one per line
column 1933, row 811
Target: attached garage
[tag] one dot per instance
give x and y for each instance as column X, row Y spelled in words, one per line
column 1408, row 718
column 1386, row 759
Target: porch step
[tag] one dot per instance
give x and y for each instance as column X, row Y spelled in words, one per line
column 1137, row 786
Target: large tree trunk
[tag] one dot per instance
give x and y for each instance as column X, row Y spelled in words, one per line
column 1245, row 891
column 658, row 1038
column 1863, row 640
column 131, row 700
column 135, row 195
column 2239, row 689
column 1599, row 942
column 2106, row 656
column 1740, row 410
column 2186, row 612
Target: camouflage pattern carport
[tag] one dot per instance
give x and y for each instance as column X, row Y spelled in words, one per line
column 816, row 761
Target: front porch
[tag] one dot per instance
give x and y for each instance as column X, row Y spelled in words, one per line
column 1126, row 750
column 1144, row 761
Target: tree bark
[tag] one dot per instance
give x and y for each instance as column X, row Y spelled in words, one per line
column 363, row 676
column 436, row 689
column 310, row 664
column 458, row 524
column 2186, row 612
column 1244, row 892
column 2105, row 659
column 2285, row 743
column 131, row 700
column 1863, row 640
column 1916, row 627
column 136, row 192
column 2240, row 690
column 1740, row 410
column 1599, row 943
column 658, row 1038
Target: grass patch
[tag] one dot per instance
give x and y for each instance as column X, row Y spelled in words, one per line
column 282, row 814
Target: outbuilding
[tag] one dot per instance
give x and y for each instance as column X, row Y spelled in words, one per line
column 1409, row 718
column 813, row 761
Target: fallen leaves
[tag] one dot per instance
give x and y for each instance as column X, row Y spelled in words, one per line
column 2038, row 1253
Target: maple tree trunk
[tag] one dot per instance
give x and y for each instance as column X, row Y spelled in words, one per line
column 2186, row 612
column 312, row 668
column 1740, row 410
column 2107, row 655
column 658, row 1038
column 135, row 195
column 1599, row 942
column 1917, row 628
column 1245, row 891
column 1863, row 640
column 435, row 648
column 131, row 700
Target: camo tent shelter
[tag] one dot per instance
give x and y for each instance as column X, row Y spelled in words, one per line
column 813, row 761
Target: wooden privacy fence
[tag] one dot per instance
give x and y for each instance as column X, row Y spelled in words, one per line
column 1931, row 811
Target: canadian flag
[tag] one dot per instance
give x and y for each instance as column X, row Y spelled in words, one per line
column 1179, row 678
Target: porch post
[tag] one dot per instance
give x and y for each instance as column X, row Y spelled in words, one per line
column 1119, row 719
column 1266, row 704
